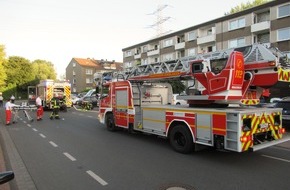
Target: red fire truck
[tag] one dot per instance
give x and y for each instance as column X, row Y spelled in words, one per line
column 139, row 100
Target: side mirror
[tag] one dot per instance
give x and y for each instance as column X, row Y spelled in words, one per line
column 6, row 176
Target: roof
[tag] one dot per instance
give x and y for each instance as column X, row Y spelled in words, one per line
column 85, row 62
column 99, row 64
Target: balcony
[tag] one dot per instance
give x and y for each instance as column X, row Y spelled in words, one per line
column 137, row 56
column 260, row 27
column 153, row 52
column 206, row 39
column 180, row 46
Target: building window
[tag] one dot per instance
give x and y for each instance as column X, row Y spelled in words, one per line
column 209, row 32
column 128, row 64
column 235, row 24
column 237, row 42
column 144, row 62
column 284, row 11
column 284, row 34
column 167, row 57
column 128, row 53
column 89, row 71
column 191, row 52
column 167, row 43
column 145, row 49
column 89, row 80
column 191, row 36
column 74, row 64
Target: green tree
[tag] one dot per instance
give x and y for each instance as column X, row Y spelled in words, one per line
column 244, row 6
column 3, row 75
column 177, row 86
column 19, row 71
column 43, row 70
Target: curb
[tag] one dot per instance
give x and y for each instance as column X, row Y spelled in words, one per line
column 22, row 180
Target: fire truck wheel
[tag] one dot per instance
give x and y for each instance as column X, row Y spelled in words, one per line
column 110, row 123
column 181, row 139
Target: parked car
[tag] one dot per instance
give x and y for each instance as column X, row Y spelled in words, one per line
column 74, row 98
column 93, row 100
column 285, row 105
column 176, row 101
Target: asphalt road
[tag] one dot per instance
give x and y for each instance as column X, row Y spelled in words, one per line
column 77, row 152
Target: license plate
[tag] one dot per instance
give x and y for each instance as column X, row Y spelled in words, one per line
column 264, row 125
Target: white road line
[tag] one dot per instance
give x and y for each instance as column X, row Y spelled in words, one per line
column 24, row 122
column 69, row 156
column 42, row 135
column 90, row 116
column 28, row 125
column 97, row 178
column 34, row 129
column 81, row 114
column 53, row 144
column 276, row 158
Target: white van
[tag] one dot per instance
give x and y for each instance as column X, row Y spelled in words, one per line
column 175, row 101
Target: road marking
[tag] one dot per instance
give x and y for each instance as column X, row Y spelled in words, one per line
column 97, row 178
column 69, row 156
column 53, row 144
column 28, row 125
column 42, row 135
column 34, row 129
column 276, row 158
column 24, row 122
column 90, row 116
column 81, row 114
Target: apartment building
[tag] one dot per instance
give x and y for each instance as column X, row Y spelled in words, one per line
column 268, row 24
column 80, row 72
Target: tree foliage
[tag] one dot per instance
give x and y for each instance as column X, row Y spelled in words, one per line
column 244, row 6
column 177, row 86
column 17, row 73
column 18, row 70
column 43, row 70
column 2, row 69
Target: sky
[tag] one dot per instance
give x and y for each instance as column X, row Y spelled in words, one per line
column 59, row 30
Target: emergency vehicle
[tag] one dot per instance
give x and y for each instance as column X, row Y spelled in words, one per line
column 49, row 88
column 139, row 100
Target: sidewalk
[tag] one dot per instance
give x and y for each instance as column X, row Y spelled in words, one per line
column 12, row 160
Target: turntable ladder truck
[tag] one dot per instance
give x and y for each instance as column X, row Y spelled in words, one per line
column 139, row 101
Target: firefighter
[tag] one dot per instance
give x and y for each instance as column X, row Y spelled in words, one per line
column 55, row 108
column 39, row 112
column 63, row 104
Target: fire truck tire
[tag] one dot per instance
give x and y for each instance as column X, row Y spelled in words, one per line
column 110, row 123
column 181, row 139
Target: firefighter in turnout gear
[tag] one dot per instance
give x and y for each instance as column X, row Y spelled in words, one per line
column 55, row 108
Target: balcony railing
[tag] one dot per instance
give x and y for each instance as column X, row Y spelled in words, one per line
column 206, row 39
column 260, row 27
column 137, row 56
column 180, row 46
column 153, row 52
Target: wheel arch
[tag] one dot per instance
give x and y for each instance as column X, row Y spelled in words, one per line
column 175, row 123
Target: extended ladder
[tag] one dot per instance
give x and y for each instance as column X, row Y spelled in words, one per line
column 253, row 54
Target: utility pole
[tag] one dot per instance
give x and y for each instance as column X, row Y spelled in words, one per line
column 160, row 19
